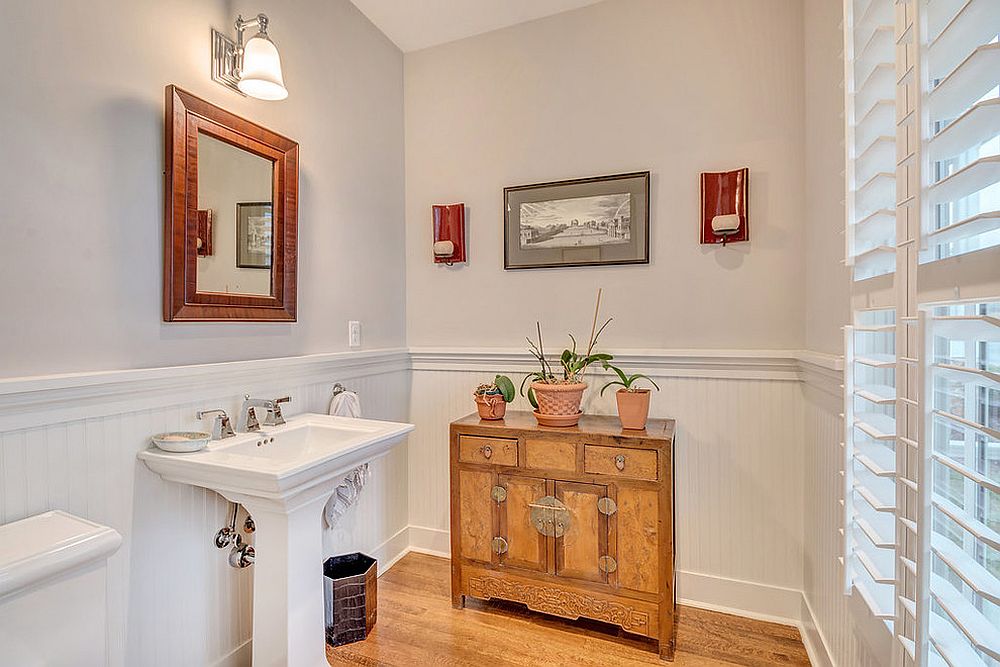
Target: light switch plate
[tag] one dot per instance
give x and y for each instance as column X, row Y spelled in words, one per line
column 354, row 333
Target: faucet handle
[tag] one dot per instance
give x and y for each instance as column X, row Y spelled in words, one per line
column 221, row 426
column 274, row 417
column 253, row 424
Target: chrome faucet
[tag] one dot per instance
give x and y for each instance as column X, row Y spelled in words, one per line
column 249, row 422
column 221, row 426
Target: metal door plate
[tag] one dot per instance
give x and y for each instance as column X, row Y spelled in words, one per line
column 550, row 517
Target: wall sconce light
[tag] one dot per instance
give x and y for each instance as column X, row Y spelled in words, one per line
column 253, row 68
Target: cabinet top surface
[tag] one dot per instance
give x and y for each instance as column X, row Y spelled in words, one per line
column 589, row 424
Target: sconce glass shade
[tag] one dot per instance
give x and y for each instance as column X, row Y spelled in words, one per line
column 261, row 73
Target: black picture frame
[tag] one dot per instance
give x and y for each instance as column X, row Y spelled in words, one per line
column 249, row 238
column 556, row 237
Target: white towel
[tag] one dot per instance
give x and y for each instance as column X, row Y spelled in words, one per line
column 345, row 404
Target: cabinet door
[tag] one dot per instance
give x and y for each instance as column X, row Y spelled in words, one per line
column 476, row 511
column 526, row 547
column 580, row 549
column 638, row 543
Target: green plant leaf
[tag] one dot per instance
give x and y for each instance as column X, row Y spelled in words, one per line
column 611, row 384
column 531, row 398
column 640, row 376
column 506, row 387
column 620, row 373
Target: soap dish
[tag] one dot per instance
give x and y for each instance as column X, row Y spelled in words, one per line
column 182, row 442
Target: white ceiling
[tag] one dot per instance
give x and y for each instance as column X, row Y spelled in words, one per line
column 417, row 24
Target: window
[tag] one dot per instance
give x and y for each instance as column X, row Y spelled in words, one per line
column 922, row 379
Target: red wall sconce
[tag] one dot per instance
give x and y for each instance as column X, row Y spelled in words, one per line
column 724, row 214
column 449, row 233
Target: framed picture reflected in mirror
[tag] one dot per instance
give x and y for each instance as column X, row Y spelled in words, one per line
column 254, row 232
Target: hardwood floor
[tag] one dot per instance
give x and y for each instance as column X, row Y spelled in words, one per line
column 418, row 626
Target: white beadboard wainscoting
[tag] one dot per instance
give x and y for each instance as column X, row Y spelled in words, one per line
column 70, row 442
column 758, row 489
column 742, row 446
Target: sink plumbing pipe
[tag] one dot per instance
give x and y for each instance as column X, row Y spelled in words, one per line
column 242, row 554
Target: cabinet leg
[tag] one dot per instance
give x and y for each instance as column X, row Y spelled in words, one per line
column 458, row 601
column 667, row 650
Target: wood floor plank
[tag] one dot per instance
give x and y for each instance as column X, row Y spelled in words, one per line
column 418, row 626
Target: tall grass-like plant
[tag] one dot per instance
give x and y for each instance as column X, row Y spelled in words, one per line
column 573, row 364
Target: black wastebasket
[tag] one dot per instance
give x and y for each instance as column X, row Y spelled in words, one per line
column 350, row 591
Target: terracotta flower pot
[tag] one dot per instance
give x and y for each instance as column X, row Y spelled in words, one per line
column 558, row 404
column 633, row 408
column 491, row 406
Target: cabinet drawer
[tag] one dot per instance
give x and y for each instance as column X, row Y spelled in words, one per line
column 620, row 462
column 541, row 453
column 491, row 451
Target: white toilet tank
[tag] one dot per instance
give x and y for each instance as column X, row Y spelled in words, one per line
column 53, row 591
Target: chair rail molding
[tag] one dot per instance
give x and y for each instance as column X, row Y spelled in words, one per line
column 27, row 402
column 790, row 365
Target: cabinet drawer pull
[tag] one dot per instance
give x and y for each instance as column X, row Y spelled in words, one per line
column 487, row 451
column 620, row 462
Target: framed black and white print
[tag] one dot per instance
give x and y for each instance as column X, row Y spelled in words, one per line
column 254, row 232
column 584, row 222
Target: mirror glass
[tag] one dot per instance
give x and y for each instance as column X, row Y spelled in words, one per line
column 235, row 228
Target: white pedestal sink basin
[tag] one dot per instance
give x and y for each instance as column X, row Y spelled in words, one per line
column 283, row 476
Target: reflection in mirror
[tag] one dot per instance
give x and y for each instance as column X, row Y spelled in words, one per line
column 235, row 229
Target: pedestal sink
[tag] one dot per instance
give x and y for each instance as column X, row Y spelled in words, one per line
column 283, row 476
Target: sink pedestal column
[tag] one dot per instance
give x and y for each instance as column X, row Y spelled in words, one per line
column 288, row 622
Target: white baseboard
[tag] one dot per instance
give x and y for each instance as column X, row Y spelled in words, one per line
column 744, row 598
column 812, row 637
column 241, row 656
column 430, row 541
column 389, row 552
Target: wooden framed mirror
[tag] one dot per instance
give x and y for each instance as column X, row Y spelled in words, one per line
column 230, row 219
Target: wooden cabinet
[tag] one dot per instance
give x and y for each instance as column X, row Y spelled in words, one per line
column 575, row 522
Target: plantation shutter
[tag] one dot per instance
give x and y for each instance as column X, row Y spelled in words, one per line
column 869, row 85
column 870, row 448
column 962, row 548
column 962, row 60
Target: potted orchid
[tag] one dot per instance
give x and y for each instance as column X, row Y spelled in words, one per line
column 633, row 401
column 556, row 393
column 492, row 397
